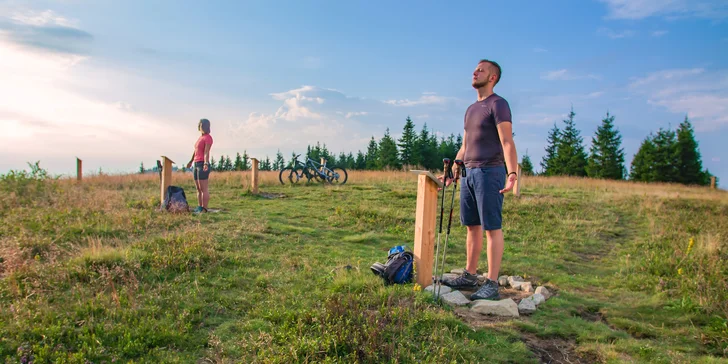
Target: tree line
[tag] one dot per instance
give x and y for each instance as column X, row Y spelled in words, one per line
column 664, row 156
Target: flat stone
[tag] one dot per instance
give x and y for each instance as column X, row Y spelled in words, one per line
column 537, row 299
column 516, row 284
column 443, row 289
column 457, row 271
column 503, row 281
column 513, row 279
column 481, row 278
column 455, row 298
column 544, row 292
column 505, row 307
column 526, row 287
column 526, row 307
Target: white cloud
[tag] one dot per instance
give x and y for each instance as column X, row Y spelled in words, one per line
column 540, row 118
column 566, row 75
column 594, row 95
column 700, row 94
column 539, row 50
column 352, row 114
column 44, row 18
column 639, row 9
column 425, row 99
column 616, row 35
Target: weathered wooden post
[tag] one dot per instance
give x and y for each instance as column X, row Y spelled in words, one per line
column 519, row 175
column 166, row 177
column 79, row 170
column 323, row 161
column 425, row 216
column 254, row 176
column 712, row 182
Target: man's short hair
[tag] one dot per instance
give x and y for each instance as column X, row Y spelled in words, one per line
column 497, row 68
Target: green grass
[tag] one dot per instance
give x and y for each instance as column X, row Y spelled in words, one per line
column 91, row 273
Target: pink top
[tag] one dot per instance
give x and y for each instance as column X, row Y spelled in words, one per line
column 200, row 147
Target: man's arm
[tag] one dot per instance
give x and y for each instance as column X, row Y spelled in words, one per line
column 505, row 132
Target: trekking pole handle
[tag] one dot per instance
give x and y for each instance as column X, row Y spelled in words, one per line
column 461, row 166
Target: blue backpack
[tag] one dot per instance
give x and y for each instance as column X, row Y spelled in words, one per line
column 175, row 200
column 399, row 266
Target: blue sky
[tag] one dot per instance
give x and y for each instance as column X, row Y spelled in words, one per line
column 118, row 83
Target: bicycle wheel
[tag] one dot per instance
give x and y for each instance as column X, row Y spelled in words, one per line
column 297, row 175
column 283, row 171
column 337, row 175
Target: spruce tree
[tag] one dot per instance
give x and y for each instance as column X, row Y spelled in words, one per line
column 426, row 154
column 246, row 160
column 549, row 164
column 606, row 158
column 689, row 162
column 570, row 154
column 141, row 168
column 408, row 155
column 279, row 163
column 372, row 156
column 238, row 162
column 526, row 165
column 388, row 155
column 361, row 161
column 642, row 168
column 266, row 164
column 665, row 161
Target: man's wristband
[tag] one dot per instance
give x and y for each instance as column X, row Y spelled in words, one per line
column 509, row 174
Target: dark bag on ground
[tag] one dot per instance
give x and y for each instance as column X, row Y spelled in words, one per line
column 398, row 268
column 175, row 200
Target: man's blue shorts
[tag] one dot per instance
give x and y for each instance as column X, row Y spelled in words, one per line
column 481, row 203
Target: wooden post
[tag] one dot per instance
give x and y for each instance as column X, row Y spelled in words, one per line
column 517, row 187
column 425, row 216
column 712, row 182
column 322, row 164
column 254, row 177
column 79, row 169
column 166, row 177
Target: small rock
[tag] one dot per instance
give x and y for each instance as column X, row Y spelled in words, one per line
column 503, row 281
column 481, row 278
column 526, row 287
column 443, row 289
column 537, row 299
column 544, row 292
column 514, row 279
column 516, row 284
column 526, row 307
column 455, row 298
column 457, row 271
column 505, row 307
column 444, row 276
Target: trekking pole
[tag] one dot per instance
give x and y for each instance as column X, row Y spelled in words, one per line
column 446, row 167
column 459, row 163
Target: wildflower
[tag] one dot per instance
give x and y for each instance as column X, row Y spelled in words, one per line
column 690, row 245
column 417, row 287
column 679, row 271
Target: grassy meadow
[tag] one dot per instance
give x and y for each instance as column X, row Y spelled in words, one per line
column 91, row 272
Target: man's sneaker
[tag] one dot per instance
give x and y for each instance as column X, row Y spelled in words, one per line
column 489, row 291
column 463, row 281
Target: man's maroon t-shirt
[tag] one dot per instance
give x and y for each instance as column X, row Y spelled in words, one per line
column 482, row 143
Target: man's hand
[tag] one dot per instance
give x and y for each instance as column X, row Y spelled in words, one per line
column 205, row 167
column 509, row 183
column 189, row 165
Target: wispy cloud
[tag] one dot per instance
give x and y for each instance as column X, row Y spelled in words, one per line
column 45, row 30
column 425, row 99
column 615, row 34
column 640, row 9
column 540, row 50
column 566, row 75
column 700, row 94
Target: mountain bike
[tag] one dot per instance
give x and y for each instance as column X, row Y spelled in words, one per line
column 311, row 170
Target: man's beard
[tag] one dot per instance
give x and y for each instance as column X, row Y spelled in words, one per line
column 479, row 84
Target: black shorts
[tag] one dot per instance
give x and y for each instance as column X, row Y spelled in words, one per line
column 199, row 173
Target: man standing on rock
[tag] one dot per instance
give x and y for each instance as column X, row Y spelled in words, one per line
column 487, row 150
